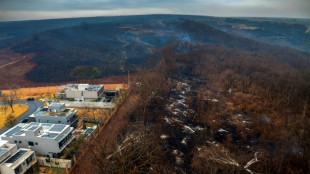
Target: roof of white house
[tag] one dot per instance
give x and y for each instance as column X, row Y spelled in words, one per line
column 83, row 87
column 43, row 130
column 56, row 105
column 5, row 147
column 62, row 113
column 16, row 159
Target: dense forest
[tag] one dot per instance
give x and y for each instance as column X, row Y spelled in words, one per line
column 210, row 109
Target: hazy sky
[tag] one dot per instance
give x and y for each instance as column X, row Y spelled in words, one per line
column 45, row 9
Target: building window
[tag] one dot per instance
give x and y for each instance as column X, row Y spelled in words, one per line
column 15, row 141
column 17, row 169
column 48, row 121
column 36, row 143
column 59, row 121
column 40, row 121
column 29, row 159
column 20, row 142
column 30, row 143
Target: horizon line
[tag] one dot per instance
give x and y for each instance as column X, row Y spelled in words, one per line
column 261, row 17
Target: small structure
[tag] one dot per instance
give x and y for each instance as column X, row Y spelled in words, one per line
column 80, row 92
column 44, row 138
column 89, row 130
column 56, row 113
column 15, row 161
column 111, row 93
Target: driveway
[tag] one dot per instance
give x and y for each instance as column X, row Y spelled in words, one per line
column 32, row 107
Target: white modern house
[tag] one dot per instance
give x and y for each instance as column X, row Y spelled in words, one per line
column 13, row 161
column 81, row 92
column 6, row 150
column 44, row 138
column 56, row 113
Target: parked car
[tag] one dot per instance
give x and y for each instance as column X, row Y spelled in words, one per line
column 30, row 99
column 25, row 120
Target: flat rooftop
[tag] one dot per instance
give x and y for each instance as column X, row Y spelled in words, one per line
column 94, row 88
column 64, row 113
column 4, row 148
column 82, row 87
column 56, row 105
column 48, row 130
column 3, row 151
column 18, row 158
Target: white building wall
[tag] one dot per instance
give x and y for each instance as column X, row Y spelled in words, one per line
column 74, row 94
column 52, row 119
column 6, row 170
column 91, row 94
column 46, row 146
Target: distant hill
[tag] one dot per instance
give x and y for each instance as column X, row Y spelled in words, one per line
column 116, row 45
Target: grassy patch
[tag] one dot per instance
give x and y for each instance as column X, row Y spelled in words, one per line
column 53, row 170
column 90, row 124
column 58, row 170
column 19, row 109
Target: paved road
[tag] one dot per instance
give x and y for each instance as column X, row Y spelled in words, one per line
column 33, row 106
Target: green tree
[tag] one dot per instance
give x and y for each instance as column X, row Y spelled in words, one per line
column 85, row 73
column 10, row 121
column 94, row 73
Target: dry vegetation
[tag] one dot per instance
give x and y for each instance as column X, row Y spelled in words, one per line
column 13, row 67
column 252, row 110
column 93, row 113
column 19, row 109
column 36, row 92
column 49, row 91
column 115, row 86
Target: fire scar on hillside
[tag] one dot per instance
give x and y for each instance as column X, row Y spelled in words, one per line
column 15, row 66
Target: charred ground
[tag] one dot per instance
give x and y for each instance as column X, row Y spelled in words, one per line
column 116, row 45
column 210, row 110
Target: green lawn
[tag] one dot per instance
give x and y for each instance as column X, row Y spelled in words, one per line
column 58, row 170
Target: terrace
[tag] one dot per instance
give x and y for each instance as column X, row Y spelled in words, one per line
column 55, row 113
column 19, row 162
column 63, row 113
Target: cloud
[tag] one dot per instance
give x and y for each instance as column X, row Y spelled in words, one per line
column 35, row 9
column 27, row 15
column 56, row 5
